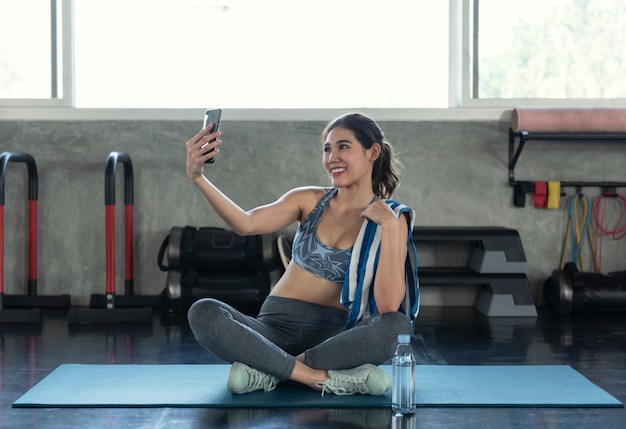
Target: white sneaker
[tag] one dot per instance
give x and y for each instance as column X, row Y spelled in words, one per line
column 244, row 379
column 366, row 379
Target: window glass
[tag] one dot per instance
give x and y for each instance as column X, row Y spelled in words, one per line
column 261, row 54
column 25, row 54
column 551, row 49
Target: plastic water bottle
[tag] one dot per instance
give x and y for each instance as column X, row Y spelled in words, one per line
column 403, row 376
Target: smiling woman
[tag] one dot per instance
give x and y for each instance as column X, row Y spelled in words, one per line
column 351, row 286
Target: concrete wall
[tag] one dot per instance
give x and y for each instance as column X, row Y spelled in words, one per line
column 456, row 175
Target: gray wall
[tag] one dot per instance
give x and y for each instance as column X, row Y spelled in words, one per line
column 456, row 175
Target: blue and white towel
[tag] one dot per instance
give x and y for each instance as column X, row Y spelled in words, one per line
column 357, row 293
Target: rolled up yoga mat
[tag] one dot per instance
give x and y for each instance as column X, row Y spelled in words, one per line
column 572, row 120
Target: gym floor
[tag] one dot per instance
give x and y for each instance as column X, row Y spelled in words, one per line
column 595, row 345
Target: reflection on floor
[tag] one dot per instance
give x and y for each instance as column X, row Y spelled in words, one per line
column 595, row 345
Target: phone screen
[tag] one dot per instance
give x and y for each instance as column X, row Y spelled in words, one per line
column 212, row 116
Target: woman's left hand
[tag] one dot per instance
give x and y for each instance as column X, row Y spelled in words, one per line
column 379, row 212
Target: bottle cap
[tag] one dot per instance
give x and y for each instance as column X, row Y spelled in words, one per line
column 404, row 339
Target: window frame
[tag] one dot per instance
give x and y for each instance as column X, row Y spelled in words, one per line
column 61, row 67
column 469, row 79
column 461, row 105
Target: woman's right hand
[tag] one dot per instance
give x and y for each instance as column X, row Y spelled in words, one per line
column 198, row 153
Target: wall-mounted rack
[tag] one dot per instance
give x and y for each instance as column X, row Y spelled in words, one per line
column 518, row 139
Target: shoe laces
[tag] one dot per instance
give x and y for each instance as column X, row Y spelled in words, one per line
column 262, row 380
column 343, row 385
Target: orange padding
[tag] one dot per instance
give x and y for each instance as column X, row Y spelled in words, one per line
column 575, row 120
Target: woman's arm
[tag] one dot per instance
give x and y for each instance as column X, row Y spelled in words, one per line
column 390, row 282
column 261, row 220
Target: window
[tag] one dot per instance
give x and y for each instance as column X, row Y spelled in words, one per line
column 323, row 54
column 549, row 49
column 269, row 54
column 26, row 51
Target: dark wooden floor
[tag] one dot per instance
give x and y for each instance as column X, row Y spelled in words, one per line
column 595, row 345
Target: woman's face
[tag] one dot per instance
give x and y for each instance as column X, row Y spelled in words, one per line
column 346, row 160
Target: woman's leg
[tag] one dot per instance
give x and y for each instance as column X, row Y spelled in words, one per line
column 283, row 329
column 235, row 337
column 372, row 340
column 347, row 362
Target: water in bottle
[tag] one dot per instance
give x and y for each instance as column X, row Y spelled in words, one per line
column 403, row 375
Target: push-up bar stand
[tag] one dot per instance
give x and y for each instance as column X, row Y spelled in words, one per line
column 116, row 308
column 24, row 308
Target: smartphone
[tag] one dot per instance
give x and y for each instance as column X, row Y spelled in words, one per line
column 212, row 116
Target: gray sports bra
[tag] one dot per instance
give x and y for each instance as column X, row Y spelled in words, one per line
column 310, row 254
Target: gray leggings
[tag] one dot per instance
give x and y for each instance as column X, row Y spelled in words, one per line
column 286, row 327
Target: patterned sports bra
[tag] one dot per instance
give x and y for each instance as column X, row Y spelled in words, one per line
column 310, row 254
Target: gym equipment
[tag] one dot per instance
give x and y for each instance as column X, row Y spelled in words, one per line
column 113, row 313
column 218, row 263
column 569, row 290
column 24, row 308
column 496, row 263
column 204, row 386
column 569, row 120
column 215, row 251
column 578, row 131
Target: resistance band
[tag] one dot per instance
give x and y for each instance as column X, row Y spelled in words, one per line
column 618, row 232
column 576, row 234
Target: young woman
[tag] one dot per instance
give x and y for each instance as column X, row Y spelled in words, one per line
column 350, row 287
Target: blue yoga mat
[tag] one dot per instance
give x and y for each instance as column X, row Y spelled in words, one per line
column 198, row 386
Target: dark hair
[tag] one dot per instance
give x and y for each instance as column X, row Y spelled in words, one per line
column 387, row 167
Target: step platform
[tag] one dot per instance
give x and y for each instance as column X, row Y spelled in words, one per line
column 496, row 262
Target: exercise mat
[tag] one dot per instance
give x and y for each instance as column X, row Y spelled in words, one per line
column 568, row 120
column 204, row 386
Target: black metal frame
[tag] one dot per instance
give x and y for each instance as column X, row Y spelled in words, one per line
column 524, row 186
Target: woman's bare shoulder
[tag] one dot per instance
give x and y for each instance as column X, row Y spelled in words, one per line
column 306, row 193
column 306, row 198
